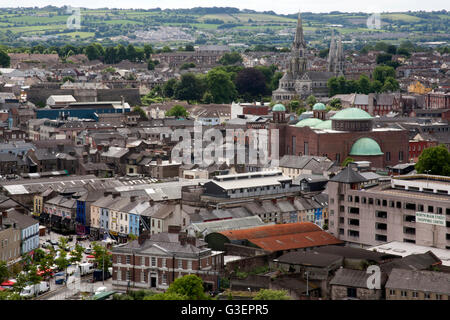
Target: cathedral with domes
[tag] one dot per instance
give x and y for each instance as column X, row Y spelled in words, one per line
column 349, row 132
column 298, row 82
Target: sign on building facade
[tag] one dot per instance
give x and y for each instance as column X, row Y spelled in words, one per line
column 430, row 218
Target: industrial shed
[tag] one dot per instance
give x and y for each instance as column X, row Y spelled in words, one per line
column 274, row 238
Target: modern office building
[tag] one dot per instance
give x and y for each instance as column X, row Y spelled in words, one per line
column 412, row 209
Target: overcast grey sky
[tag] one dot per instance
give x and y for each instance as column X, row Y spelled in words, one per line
column 280, row 6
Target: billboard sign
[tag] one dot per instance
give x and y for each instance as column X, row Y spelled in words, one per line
column 430, row 218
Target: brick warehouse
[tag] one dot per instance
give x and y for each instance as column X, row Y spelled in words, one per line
column 155, row 262
column 349, row 133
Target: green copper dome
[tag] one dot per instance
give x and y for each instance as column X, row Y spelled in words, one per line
column 365, row 147
column 319, row 106
column 352, row 114
column 279, row 107
column 323, row 125
column 310, row 122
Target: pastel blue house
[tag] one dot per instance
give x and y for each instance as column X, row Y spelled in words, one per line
column 29, row 230
column 133, row 224
column 104, row 221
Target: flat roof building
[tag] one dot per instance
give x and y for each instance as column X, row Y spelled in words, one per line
column 413, row 209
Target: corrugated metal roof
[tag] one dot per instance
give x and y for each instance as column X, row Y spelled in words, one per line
column 284, row 236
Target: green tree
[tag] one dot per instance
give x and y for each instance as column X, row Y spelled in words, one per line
column 231, row 58
column 333, row 86
column 390, row 85
column 110, row 55
column 190, row 88
column 21, row 282
column 190, row 286
column 121, row 53
column 220, row 86
column 382, row 58
column 4, row 272
column 189, row 47
column 294, row 105
column 269, row 294
column 131, row 53
column 364, row 84
column 141, row 112
column 347, row 161
column 5, row 60
column 380, row 73
column 77, row 254
column 208, row 98
column 169, row 87
column 102, row 257
column 323, row 53
column 68, row 78
column 177, row 111
column 166, row 296
column 376, row 86
column 311, row 100
column 148, row 51
column 166, row 49
column 335, row 103
column 251, row 84
column 33, row 278
column 151, row 64
column 94, row 51
column 434, row 160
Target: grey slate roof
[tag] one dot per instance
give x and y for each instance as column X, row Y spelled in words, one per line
column 426, row 281
column 309, row 258
column 352, row 278
column 348, row 175
column 421, row 261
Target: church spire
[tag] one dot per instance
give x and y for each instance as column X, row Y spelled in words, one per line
column 299, row 40
column 340, row 57
column 332, row 54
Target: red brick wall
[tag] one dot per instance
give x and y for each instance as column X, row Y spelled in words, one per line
column 340, row 143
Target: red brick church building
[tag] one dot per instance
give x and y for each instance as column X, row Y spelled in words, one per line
column 349, row 133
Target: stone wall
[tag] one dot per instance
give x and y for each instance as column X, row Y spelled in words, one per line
column 243, row 251
column 340, row 292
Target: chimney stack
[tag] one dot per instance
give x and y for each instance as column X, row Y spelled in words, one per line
column 182, row 238
column 174, row 229
column 143, row 236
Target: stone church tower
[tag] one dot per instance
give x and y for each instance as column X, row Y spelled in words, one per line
column 298, row 82
column 336, row 56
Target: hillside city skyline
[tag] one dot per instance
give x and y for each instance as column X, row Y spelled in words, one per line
column 281, row 7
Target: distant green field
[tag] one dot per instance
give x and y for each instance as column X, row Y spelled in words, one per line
column 82, row 35
column 34, row 29
column 400, row 16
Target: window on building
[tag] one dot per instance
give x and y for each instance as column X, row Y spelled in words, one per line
column 180, row 264
column 351, row 292
column 164, row 279
column 391, row 292
column 381, row 237
column 189, row 265
column 128, row 258
column 404, row 293
column 415, row 294
column 388, row 156
column 153, row 261
column 426, row 295
column 128, row 275
column 438, row 296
